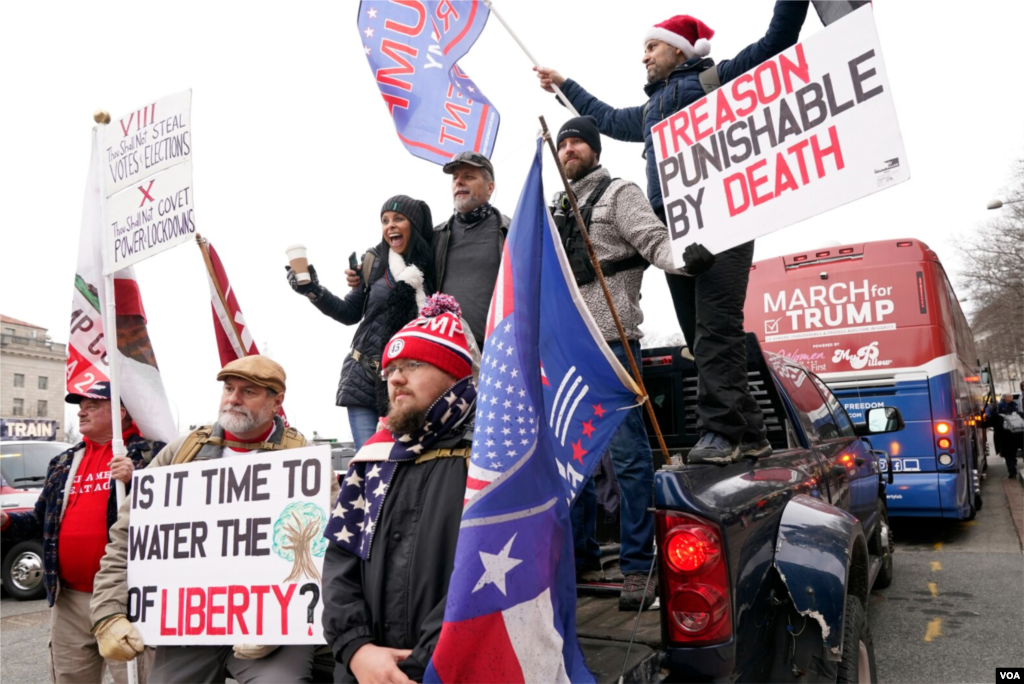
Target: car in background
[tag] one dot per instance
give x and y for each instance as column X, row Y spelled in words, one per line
column 23, row 467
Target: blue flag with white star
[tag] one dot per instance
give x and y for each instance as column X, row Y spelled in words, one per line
column 551, row 395
column 412, row 48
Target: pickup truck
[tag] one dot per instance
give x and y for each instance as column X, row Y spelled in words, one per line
column 763, row 567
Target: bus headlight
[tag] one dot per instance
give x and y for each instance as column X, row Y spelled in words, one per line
column 945, row 459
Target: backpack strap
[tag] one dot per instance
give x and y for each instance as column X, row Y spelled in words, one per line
column 458, row 452
column 368, row 259
column 709, row 79
column 192, row 444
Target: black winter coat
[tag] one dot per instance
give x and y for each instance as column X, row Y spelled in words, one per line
column 380, row 310
column 682, row 88
column 397, row 598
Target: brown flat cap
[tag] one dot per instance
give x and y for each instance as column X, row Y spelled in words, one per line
column 258, row 370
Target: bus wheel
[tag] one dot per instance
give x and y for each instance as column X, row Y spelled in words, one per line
column 858, row 661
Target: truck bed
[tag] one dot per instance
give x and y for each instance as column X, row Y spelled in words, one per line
column 604, row 633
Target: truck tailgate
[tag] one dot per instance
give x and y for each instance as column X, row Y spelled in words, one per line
column 604, row 633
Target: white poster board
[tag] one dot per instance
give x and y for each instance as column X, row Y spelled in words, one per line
column 802, row 133
column 147, row 163
column 230, row 551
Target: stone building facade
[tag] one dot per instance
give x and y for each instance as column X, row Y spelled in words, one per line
column 31, row 376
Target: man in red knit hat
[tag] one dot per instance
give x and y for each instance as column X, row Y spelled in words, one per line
column 396, row 522
column 709, row 306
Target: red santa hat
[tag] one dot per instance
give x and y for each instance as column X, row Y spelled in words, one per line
column 437, row 337
column 687, row 33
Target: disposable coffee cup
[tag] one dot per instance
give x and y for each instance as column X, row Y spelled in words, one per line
column 297, row 260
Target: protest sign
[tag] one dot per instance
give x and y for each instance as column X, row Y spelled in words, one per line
column 804, row 132
column 147, row 159
column 230, row 551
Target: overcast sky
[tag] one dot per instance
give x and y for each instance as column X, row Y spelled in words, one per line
column 292, row 143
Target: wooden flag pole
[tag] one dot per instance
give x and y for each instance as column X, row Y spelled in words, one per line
column 644, row 397
column 201, row 241
column 558, row 91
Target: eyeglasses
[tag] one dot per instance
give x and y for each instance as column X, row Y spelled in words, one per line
column 407, row 368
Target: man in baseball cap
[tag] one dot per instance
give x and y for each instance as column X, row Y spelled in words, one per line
column 75, row 508
column 387, row 567
column 248, row 423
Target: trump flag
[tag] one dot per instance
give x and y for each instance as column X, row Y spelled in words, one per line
column 511, row 610
column 412, row 47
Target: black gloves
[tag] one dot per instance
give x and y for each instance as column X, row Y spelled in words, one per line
column 696, row 259
column 312, row 289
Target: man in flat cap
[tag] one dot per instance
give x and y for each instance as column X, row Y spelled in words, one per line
column 254, row 388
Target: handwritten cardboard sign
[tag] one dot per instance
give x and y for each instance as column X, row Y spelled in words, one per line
column 147, row 163
column 804, row 132
column 230, row 550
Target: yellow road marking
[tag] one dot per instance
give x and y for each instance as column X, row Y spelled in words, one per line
column 934, row 588
column 938, row 546
column 934, row 629
column 936, row 566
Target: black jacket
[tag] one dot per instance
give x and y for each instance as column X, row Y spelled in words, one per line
column 380, row 310
column 682, row 88
column 397, row 598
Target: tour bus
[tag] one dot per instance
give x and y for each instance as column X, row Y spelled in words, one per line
column 880, row 324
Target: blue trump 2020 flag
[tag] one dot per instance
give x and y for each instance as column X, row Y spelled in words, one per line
column 550, row 397
column 412, row 47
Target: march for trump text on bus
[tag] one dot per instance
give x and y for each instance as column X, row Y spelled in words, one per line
column 230, row 550
column 147, row 156
column 802, row 133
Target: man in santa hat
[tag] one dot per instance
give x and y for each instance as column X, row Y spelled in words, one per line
column 709, row 306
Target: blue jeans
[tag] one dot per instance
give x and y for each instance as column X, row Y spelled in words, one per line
column 633, row 463
column 363, row 423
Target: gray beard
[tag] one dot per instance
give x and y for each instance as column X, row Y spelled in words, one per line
column 240, row 424
column 403, row 422
column 467, row 203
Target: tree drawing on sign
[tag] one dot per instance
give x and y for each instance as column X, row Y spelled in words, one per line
column 298, row 536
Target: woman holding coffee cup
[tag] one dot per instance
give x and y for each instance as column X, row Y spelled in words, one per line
column 397, row 276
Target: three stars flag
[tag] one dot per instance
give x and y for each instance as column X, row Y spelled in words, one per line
column 511, row 610
column 141, row 387
column 412, row 48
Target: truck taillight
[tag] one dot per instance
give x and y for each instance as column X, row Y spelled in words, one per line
column 694, row 578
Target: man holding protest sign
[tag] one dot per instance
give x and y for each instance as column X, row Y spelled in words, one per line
column 383, row 611
column 73, row 513
column 626, row 236
column 710, row 306
column 254, row 389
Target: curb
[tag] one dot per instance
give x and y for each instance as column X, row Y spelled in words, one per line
column 1015, row 499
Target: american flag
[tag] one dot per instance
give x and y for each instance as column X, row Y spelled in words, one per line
column 511, row 611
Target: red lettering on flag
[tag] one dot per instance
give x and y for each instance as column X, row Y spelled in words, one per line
column 421, row 18
column 391, row 49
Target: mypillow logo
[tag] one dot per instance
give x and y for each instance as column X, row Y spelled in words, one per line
column 888, row 165
column 1009, row 674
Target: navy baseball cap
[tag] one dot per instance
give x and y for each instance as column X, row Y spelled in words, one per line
column 101, row 390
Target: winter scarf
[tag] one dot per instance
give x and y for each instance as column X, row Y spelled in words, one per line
column 372, row 469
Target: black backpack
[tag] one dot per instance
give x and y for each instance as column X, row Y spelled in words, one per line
column 574, row 244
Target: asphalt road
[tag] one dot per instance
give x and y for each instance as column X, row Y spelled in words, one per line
column 955, row 609
column 954, row 612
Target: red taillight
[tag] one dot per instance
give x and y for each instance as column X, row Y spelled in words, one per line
column 944, row 443
column 942, row 428
column 694, row 581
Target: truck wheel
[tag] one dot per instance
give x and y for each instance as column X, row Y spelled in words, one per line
column 23, row 571
column 858, row 663
column 884, row 546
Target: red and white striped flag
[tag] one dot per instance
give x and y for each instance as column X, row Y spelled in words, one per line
column 233, row 337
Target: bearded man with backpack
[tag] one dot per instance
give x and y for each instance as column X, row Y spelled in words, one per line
column 254, row 389
column 627, row 236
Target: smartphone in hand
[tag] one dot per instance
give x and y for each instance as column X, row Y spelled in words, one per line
column 353, row 263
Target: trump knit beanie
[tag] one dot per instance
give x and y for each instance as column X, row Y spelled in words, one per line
column 584, row 128
column 437, row 337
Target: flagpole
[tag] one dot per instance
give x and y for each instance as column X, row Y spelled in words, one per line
column 607, row 294
column 102, row 118
column 558, row 91
column 201, row 241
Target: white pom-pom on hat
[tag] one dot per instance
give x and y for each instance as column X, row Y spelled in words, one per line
column 689, row 34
